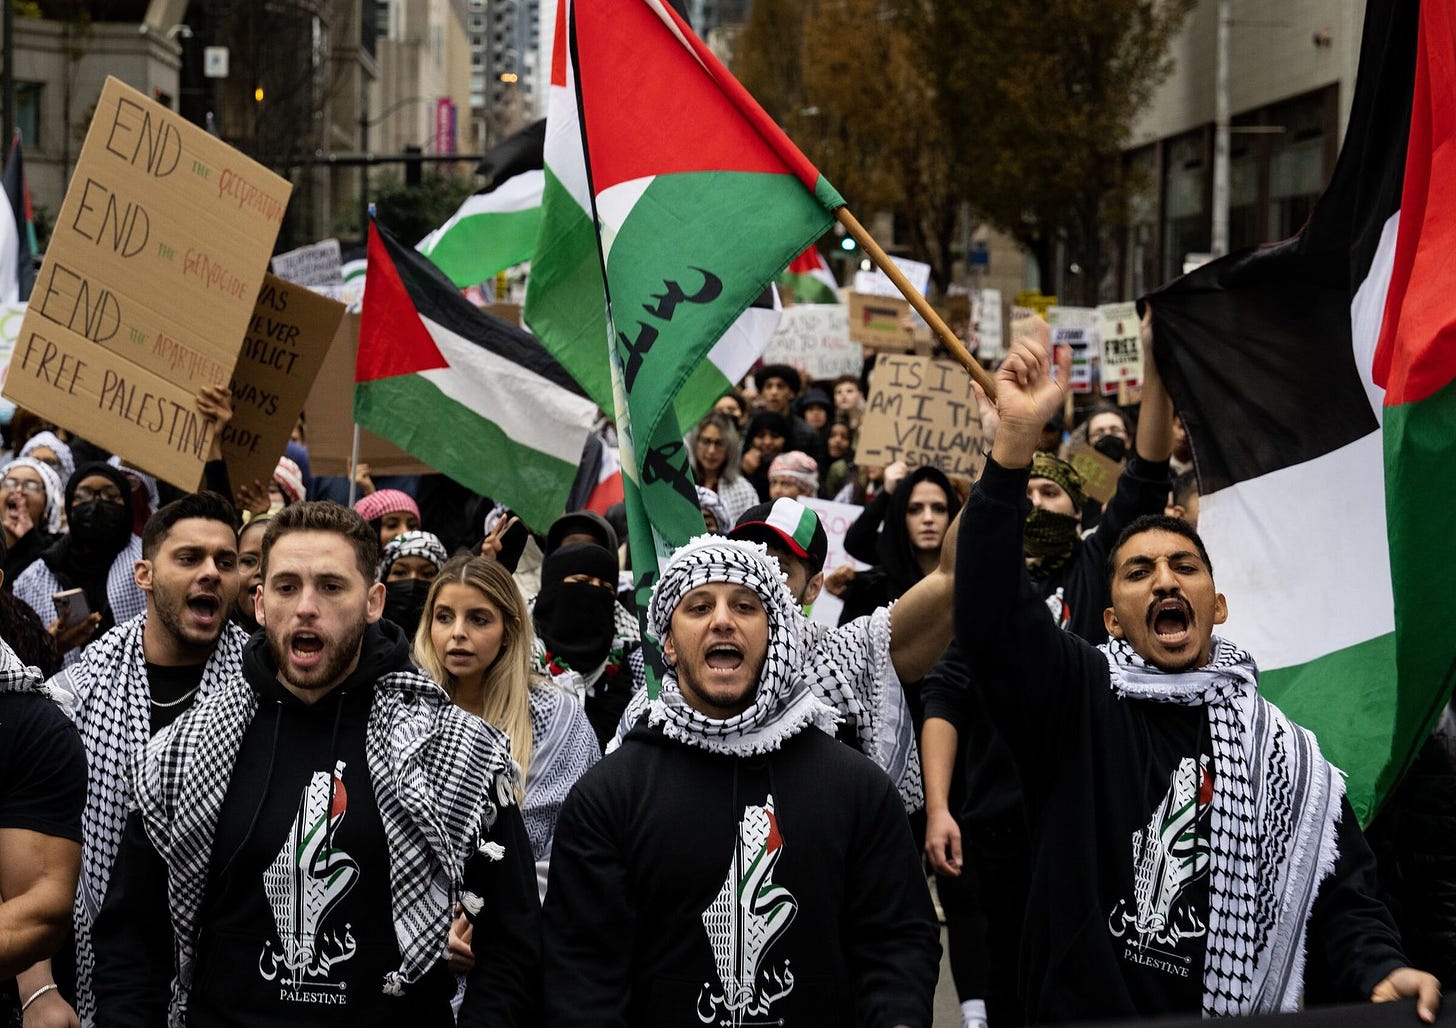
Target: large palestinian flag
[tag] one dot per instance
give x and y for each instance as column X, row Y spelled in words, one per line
column 696, row 202
column 647, row 132
column 473, row 396
column 1314, row 376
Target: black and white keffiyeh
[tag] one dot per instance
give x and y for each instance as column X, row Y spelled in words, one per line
column 412, row 544
column 783, row 704
column 563, row 748
column 55, row 490
column 17, row 676
column 848, row 669
column 110, row 700
column 37, row 585
column 440, row 778
column 1276, row 807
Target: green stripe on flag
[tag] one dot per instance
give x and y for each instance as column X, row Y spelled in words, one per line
column 1350, row 700
column 460, row 443
column 478, row 246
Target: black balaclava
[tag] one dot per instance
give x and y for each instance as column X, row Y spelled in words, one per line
column 404, row 603
column 576, row 620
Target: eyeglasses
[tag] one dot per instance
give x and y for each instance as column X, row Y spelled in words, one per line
column 11, row 484
column 712, row 444
column 111, row 494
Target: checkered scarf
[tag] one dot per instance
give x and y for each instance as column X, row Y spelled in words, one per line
column 440, row 777
column 111, row 705
column 783, row 704
column 37, row 585
column 412, row 544
column 563, row 748
column 54, row 490
column 1276, row 805
column 17, row 676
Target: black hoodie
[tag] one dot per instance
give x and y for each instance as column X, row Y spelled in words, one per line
column 295, row 761
column 841, row 930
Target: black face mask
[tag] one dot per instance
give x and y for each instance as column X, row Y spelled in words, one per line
column 578, row 624
column 100, row 525
column 1112, row 447
column 404, row 603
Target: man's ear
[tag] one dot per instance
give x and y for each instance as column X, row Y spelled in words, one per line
column 813, row 589
column 669, row 650
column 258, row 607
column 1113, row 626
column 1220, row 609
column 141, row 573
column 375, row 608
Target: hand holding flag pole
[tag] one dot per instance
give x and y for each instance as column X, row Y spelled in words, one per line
column 948, row 339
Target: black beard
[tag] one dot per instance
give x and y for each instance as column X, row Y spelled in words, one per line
column 168, row 608
column 327, row 675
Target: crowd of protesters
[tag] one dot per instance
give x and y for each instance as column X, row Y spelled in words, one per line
column 267, row 758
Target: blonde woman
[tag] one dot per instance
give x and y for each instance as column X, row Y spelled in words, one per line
column 475, row 640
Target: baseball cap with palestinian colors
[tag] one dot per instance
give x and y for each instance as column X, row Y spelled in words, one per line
column 789, row 523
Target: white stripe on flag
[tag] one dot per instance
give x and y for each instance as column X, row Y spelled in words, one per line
column 9, row 252
column 518, row 193
column 1367, row 311
column 746, row 339
column 614, row 207
column 530, row 409
column 1301, row 555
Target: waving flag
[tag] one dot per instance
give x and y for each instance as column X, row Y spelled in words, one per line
column 811, row 278
column 674, row 193
column 17, row 232
column 469, row 394
column 497, row 227
column 1314, row 376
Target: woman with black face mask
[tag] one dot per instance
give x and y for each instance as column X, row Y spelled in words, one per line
column 97, row 556
column 409, row 565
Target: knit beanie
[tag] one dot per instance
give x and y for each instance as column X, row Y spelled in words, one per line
column 1044, row 465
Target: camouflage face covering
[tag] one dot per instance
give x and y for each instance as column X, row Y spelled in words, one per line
column 1048, row 540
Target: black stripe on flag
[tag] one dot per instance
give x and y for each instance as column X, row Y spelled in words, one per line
column 435, row 297
column 1256, row 347
column 522, row 150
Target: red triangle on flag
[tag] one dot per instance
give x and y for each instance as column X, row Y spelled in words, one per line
column 674, row 108
column 392, row 338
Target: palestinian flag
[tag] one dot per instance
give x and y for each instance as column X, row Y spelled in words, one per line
column 17, row 232
column 811, row 278
column 565, row 295
column 497, row 227
column 1315, row 378
column 697, row 202
column 469, row 394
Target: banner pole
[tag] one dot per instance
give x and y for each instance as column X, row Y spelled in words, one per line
column 353, row 467
column 942, row 331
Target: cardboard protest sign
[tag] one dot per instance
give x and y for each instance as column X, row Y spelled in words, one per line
column 289, row 335
column 317, row 264
column 1076, row 328
column 814, row 337
column 836, row 519
column 1122, row 351
column 876, row 321
column 1099, row 473
column 148, row 285
column 329, row 411
column 921, row 411
column 1035, row 301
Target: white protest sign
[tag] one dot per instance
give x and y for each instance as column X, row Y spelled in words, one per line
column 986, row 323
column 1076, row 327
column 814, row 338
column 836, row 519
column 11, row 315
column 317, row 264
column 1122, row 352
column 877, row 283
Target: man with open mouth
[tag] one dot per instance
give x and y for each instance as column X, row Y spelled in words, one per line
column 1192, row 850
column 732, row 862
column 300, row 839
column 133, row 682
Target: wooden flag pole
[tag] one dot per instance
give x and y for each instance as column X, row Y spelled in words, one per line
column 942, row 331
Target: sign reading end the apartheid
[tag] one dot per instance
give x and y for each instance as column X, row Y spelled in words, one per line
column 814, row 338
column 148, row 285
column 283, row 350
column 921, row 411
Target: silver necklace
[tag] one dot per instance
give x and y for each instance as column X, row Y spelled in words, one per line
column 179, row 700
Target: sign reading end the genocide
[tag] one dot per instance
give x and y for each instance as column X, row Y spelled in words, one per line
column 148, row 285
column 921, row 411
column 283, row 350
